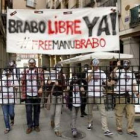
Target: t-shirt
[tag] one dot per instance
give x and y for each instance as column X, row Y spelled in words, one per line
column 7, row 94
column 76, row 96
column 125, row 81
column 31, row 83
column 95, row 87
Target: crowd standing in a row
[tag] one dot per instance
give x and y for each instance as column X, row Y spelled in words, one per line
column 81, row 90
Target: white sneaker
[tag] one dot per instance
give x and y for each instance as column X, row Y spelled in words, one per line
column 74, row 132
column 89, row 126
column 108, row 133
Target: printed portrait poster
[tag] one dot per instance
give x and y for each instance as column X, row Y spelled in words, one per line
column 53, row 75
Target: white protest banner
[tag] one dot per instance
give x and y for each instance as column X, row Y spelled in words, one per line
column 62, row 31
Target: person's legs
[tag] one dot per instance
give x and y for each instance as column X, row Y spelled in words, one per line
column 119, row 109
column 12, row 113
column 5, row 109
column 58, row 112
column 91, row 101
column 83, row 105
column 52, row 110
column 90, row 109
column 101, row 106
column 130, row 110
column 36, row 114
column 74, row 118
column 29, row 103
column 82, row 108
column 42, row 99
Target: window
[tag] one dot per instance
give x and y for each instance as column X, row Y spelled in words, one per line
column 106, row 3
column 135, row 16
column 31, row 3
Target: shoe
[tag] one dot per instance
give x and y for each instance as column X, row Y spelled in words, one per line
column 108, row 133
column 29, row 130
column 37, row 129
column 58, row 133
column 120, row 131
column 12, row 122
column 74, row 132
column 89, row 126
column 52, row 124
column 7, row 131
column 82, row 115
column 133, row 133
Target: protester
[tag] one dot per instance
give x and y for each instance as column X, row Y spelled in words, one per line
column 8, row 84
column 44, row 72
column 76, row 90
column 32, row 84
column 96, row 96
column 83, row 81
column 125, row 92
column 57, row 84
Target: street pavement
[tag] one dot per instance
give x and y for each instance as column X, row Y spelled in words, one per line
column 19, row 129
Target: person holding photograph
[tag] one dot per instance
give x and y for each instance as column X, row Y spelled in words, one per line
column 32, row 88
column 8, row 84
column 96, row 78
column 57, row 85
column 75, row 91
column 125, row 91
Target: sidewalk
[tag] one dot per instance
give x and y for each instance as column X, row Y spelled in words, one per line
column 19, row 129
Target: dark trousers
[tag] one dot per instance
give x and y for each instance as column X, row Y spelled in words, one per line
column 83, row 103
column 32, row 111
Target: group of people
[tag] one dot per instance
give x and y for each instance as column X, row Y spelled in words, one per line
column 84, row 89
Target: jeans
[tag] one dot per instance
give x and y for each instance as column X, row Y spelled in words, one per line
column 8, row 112
column 32, row 121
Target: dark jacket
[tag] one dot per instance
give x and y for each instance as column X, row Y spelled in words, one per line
column 83, row 80
column 58, row 90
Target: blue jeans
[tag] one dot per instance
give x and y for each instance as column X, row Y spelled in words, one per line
column 32, row 104
column 8, row 112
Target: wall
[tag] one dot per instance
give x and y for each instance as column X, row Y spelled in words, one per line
column 72, row 4
column 21, row 4
column 131, row 46
column 126, row 14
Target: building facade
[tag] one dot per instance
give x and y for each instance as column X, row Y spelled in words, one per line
column 129, row 25
column 28, row 4
column 129, row 19
column 68, row 4
column 3, row 55
column 130, row 28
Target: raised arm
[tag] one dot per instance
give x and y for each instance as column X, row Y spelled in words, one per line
column 113, row 73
